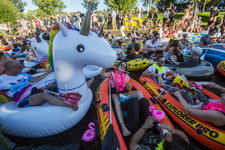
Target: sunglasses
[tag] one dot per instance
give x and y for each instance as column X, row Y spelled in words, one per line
column 122, row 65
column 162, row 62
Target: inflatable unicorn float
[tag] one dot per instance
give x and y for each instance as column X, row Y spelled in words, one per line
column 71, row 51
column 41, row 50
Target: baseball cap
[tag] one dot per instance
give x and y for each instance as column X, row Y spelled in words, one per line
column 197, row 50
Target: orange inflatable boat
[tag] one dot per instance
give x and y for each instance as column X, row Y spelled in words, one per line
column 221, row 67
column 4, row 48
column 204, row 132
column 115, row 141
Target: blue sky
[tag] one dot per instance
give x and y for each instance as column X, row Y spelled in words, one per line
column 72, row 5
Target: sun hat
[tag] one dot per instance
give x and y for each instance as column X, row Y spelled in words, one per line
column 197, row 50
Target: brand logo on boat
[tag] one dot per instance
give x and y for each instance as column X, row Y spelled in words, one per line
column 208, row 132
column 104, row 120
column 222, row 65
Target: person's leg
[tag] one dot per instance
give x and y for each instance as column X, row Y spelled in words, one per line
column 40, row 98
column 191, row 30
column 136, row 94
column 132, row 121
column 119, row 113
column 144, row 112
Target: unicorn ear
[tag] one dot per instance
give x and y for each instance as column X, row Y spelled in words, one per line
column 100, row 33
column 38, row 38
column 86, row 23
column 63, row 29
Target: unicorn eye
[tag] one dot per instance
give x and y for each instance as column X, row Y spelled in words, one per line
column 80, row 48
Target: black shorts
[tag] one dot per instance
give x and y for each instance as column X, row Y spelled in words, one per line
column 25, row 102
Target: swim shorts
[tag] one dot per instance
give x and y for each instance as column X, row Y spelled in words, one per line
column 24, row 102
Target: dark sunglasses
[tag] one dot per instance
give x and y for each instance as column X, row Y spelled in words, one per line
column 122, row 65
column 162, row 62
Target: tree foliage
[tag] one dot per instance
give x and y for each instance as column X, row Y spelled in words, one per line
column 19, row 4
column 30, row 14
column 8, row 11
column 49, row 7
column 145, row 3
column 93, row 3
column 203, row 2
column 124, row 5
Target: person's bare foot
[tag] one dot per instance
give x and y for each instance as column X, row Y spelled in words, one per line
column 89, row 82
column 126, row 132
column 75, row 107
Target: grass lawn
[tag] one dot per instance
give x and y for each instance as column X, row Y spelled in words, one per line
column 205, row 16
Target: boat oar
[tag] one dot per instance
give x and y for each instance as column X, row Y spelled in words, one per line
column 69, row 98
column 203, row 56
column 110, row 141
column 169, row 61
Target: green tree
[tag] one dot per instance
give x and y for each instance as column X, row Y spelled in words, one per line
column 8, row 11
column 121, row 4
column 30, row 14
column 104, row 11
column 19, row 4
column 203, row 2
column 148, row 3
column 92, row 3
column 49, row 7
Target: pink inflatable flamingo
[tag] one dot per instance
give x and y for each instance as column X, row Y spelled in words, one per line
column 89, row 135
column 157, row 113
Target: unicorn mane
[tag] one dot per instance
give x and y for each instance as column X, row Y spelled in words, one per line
column 53, row 32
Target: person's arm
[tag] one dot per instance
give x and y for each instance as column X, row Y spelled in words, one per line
column 147, row 73
column 134, row 141
column 214, row 117
column 105, row 74
column 147, row 49
column 174, row 61
column 190, row 42
column 38, row 78
column 161, row 47
column 216, row 86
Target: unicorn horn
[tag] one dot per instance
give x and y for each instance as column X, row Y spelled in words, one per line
column 38, row 38
column 86, row 23
column 100, row 32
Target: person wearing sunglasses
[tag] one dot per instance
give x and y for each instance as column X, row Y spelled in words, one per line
column 205, row 40
column 15, row 84
column 154, row 45
column 158, row 70
column 119, row 85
